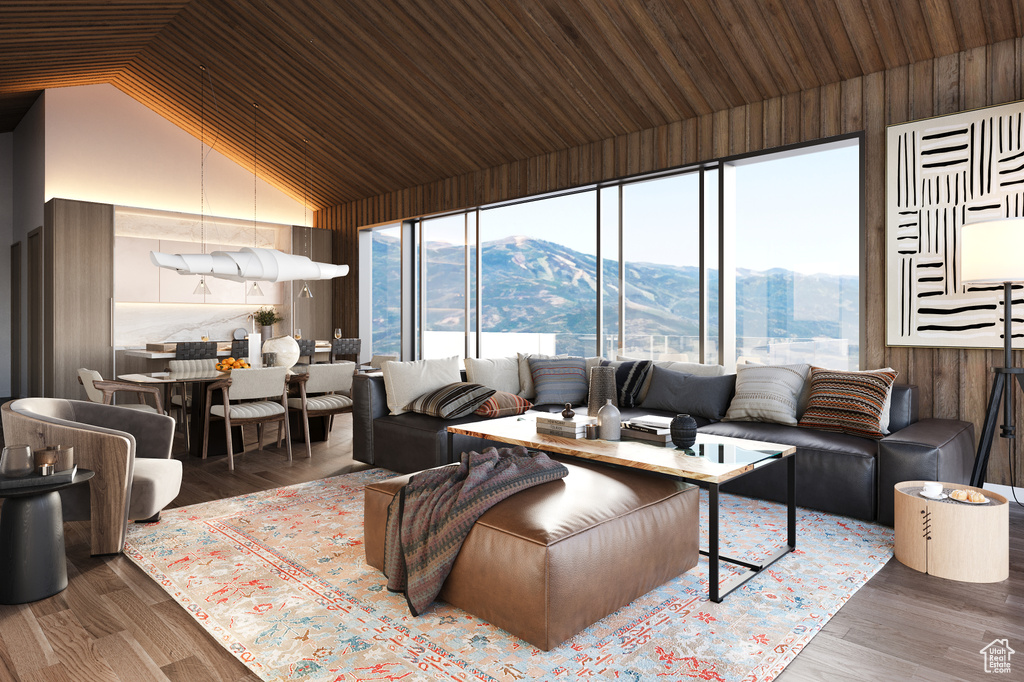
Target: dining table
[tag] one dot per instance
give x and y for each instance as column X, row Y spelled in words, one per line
column 197, row 382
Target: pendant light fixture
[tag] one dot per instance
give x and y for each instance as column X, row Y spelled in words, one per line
column 254, row 290
column 304, row 292
column 202, row 289
column 247, row 264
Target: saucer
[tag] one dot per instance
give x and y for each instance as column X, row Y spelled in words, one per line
column 940, row 496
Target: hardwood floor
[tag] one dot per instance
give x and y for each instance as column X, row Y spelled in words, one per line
column 114, row 623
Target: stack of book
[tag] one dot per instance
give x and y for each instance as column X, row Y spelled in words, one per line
column 33, row 479
column 648, row 428
column 556, row 425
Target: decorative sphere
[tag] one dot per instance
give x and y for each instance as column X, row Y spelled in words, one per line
column 287, row 350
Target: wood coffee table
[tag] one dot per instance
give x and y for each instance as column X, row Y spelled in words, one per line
column 712, row 461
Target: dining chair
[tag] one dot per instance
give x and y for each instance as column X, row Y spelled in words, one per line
column 102, row 391
column 183, row 401
column 377, row 361
column 307, row 348
column 331, row 386
column 240, row 348
column 195, row 350
column 260, row 397
column 347, row 349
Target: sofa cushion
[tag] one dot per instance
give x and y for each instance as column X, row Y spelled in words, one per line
column 681, row 393
column 406, row 381
column 849, row 402
column 452, row 400
column 503, row 404
column 767, row 393
column 630, row 380
column 559, row 380
column 501, row 374
column 835, row 472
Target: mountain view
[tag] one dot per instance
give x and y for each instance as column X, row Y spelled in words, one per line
column 534, row 285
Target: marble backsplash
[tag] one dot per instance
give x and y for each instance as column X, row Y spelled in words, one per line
column 137, row 324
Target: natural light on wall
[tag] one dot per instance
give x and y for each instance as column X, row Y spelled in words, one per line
column 105, row 147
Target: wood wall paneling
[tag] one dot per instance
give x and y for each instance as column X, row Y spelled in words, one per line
column 78, row 286
column 314, row 316
column 954, row 383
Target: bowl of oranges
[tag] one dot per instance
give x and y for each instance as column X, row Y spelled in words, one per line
column 230, row 363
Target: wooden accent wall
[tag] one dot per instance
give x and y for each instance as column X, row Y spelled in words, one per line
column 313, row 315
column 954, row 383
column 78, row 288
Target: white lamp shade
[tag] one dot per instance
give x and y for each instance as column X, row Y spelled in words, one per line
column 992, row 251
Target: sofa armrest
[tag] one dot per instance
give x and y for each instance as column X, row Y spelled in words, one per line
column 927, row 450
column 369, row 401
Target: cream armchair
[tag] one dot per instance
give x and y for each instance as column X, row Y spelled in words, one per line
column 130, row 451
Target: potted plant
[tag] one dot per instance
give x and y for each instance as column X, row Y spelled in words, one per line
column 265, row 318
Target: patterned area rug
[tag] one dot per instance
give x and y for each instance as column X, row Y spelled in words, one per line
column 279, row 579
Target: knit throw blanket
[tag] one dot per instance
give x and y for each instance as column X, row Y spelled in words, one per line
column 430, row 517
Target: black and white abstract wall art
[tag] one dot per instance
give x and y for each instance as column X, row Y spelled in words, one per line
column 943, row 173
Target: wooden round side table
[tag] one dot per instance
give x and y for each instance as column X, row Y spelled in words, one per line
column 951, row 539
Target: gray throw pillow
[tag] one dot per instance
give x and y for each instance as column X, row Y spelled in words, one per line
column 707, row 397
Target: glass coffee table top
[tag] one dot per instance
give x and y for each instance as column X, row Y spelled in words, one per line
column 712, row 459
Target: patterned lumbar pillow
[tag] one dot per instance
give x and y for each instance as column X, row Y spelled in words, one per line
column 767, row 393
column 503, row 404
column 849, row 402
column 630, row 380
column 451, row 401
column 559, row 380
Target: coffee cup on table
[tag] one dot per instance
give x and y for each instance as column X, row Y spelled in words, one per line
column 932, row 488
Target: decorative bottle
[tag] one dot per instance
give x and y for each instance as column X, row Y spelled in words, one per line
column 568, row 413
column 684, row 431
column 609, row 421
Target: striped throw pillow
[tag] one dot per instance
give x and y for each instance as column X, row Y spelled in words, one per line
column 848, row 402
column 452, row 400
column 503, row 404
column 559, row 380
column 630, row 380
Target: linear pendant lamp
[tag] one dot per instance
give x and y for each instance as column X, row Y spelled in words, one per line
column 267, row 265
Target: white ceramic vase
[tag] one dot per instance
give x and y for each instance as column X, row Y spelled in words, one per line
column 609, row 421
column 286, row 348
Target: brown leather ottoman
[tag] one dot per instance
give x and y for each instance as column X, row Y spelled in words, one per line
column 549, row 561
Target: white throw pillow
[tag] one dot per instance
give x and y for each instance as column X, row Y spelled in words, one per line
column 767, row 393
column 501, row 374
column 406, row 381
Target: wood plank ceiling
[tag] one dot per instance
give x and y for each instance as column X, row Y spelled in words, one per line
column 398, row 93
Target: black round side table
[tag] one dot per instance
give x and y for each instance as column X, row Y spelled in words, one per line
column 32, row 561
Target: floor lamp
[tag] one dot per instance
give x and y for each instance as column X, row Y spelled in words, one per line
column 992, row 252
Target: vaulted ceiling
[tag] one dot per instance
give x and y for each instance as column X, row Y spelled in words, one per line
column 397, row 93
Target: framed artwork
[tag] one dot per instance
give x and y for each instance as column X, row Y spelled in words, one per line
column 943, row 173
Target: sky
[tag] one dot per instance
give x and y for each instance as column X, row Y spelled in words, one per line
column 797, row 212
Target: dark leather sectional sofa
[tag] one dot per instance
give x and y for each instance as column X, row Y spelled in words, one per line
column 835, row 472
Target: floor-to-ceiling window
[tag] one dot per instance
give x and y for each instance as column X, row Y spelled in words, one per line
column 385, row 245
column 797, row 256
column 771, row 241
column 538, row 276
column 443, row 263
column 661, row 267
